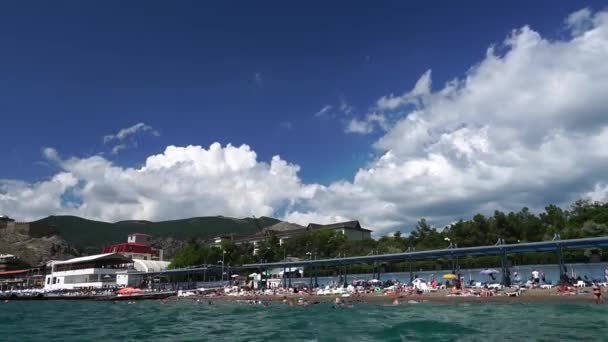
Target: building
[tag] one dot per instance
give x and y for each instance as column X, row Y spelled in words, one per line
column 5, row 221
column 352, row 230
column 9, row 262
column 100, row 271
column 93, row 271
column 33, row 229
column 140, row 272
column 138, row 246
column 21, row 279
column 121, row 264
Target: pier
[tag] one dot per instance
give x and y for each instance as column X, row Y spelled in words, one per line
column 453, row 252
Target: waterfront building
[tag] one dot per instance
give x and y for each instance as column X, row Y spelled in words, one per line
column 21, row 279
column 10, row 262
column 100, row 271
column 121, row 264
column 139, row 274
column 93, row 271
column 277, row 276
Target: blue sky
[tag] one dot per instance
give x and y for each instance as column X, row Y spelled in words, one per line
column 237, row 72
column 76, row 71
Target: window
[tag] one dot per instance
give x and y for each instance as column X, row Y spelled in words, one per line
column 48, row 281
column 54, row 280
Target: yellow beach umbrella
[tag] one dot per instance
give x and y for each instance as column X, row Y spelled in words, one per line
column 450, row 276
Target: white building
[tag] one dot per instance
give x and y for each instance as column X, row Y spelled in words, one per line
column 94, row 271
column 276, row 276
column 136, row 276
column 100, row 271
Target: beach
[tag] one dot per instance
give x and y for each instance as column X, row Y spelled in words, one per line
column 441, row 296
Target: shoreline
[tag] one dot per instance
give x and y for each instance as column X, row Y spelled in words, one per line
column 530, row 296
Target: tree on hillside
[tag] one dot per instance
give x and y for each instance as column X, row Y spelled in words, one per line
column 188, row 256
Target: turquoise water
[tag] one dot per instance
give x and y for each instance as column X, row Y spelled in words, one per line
column 223, row 321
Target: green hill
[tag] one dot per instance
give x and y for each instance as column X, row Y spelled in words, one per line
column 90, row 236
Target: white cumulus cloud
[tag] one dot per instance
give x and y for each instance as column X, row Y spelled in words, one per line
column 366, row 125
column 522, row 128
column 180, row 182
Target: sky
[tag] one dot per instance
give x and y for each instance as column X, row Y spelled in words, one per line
column 309, row 112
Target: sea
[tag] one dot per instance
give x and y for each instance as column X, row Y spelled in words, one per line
column 188, row 320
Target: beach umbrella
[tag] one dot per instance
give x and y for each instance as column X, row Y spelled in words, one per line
column 450, row 276
column 419, row 280
column 374, row 281
column 488, row 272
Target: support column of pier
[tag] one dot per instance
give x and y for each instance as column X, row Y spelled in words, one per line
column 310, row 277
column 506, row 274
column 411, row 273
column 562, row 266
column 284, row 278
column 374, row 270
column 290, row 277
column 345, row 276
column 316, row 279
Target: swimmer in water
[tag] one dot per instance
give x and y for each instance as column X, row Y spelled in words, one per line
column 597, row 293
column 396, row 301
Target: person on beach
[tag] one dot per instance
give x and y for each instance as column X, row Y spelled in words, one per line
column 516, row 278
column 535, row 277
column 597, row 293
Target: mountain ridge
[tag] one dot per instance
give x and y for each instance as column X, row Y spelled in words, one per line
column 89, row 236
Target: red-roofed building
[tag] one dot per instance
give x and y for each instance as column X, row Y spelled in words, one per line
column 137, row 247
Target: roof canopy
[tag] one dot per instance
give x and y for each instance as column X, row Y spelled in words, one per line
column 150, row 265
column 96, row 257
column 14, row 272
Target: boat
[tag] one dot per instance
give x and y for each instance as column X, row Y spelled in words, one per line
column 138, row 296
